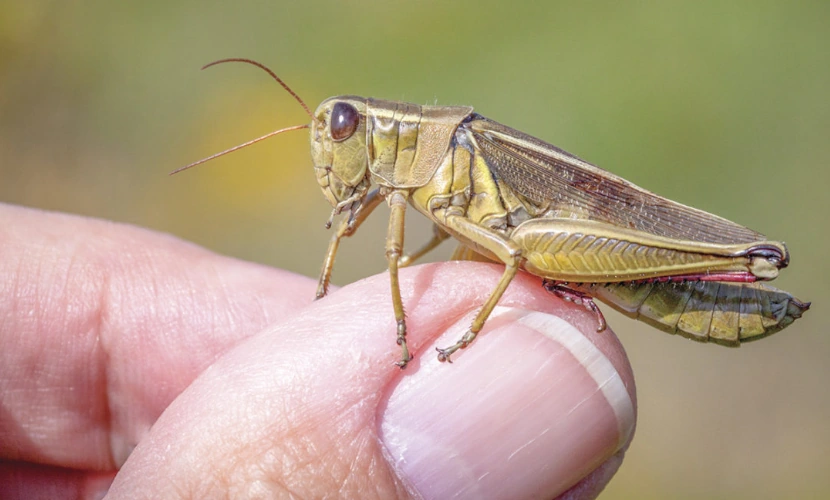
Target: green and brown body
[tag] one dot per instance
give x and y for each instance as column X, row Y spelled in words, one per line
column 706, row 311
column 517, row 200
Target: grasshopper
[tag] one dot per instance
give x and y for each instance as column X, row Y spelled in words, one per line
column 510, row 198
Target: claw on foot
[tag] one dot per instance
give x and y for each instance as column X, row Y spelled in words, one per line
column 405, row 359
column 591, row 306
column 562, row 291
column 444, row 355
column 405, row 356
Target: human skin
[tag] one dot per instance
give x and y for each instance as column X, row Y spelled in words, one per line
column 144, row 366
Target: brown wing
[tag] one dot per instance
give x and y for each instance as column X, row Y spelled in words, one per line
column 553, row 178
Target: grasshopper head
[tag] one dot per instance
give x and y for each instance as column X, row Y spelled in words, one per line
column 338, row 146
column 338, row 150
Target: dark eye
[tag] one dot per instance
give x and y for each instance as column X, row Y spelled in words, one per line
column 344, row 120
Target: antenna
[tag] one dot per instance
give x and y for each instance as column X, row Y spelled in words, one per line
column 267, row 70
column 266, row 136
column 231, row 150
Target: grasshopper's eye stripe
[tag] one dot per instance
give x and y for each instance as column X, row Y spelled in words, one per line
column 344, row 121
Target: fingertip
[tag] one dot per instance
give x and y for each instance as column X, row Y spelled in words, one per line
column 529, row 410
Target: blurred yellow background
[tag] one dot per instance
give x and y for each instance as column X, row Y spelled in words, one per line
column 722, row 106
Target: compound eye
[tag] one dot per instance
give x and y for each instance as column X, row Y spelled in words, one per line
column 344, row 120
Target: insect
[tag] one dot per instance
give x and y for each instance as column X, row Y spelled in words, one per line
column 510, row 198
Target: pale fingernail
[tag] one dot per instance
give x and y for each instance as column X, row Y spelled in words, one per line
column 528, row 410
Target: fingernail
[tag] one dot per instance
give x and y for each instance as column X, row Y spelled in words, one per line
column 527, row 411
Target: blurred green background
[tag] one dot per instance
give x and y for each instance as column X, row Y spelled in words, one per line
column 720, row 105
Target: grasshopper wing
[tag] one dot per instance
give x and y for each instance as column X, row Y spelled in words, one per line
column 570, row 187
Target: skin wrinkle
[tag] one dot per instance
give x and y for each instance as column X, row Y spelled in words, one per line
column 118, row 279
column 300, row 469
column 91, row 324
column 352, row 467
column 343, row 425
column 289, row 448
column 244, row 471
column 30, row 370
column 224, row 296
column 102, row 319
column 45, row 379
column 14, row 292
column 100, row 354
column 266, row 314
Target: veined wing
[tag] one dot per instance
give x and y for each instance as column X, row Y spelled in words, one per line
column 568, row 186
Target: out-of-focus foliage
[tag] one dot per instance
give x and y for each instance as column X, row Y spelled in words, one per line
column 720, row 105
